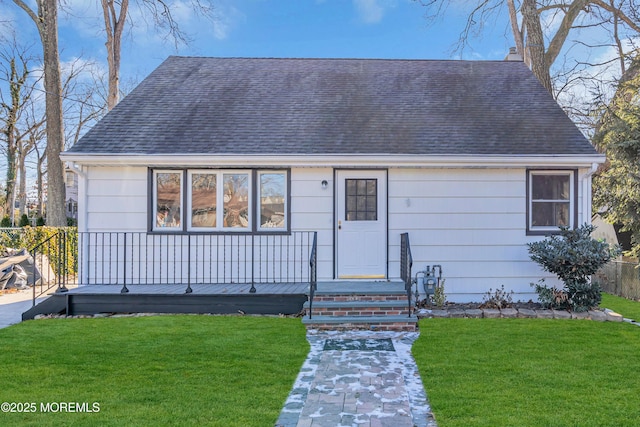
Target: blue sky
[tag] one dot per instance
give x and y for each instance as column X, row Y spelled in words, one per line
column 275, row 28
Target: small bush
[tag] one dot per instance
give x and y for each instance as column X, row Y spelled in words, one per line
column 24, row 221
column 40, row 222
column 439, row 297
column 551, row 298
column 497, row 299
column 5, row 222
column 573, row 256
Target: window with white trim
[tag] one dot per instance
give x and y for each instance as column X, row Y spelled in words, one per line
column 222, row 200
column 551, row 200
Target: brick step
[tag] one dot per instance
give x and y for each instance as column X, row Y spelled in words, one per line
column 334, row 297
column 358, row 308
column 373, row 323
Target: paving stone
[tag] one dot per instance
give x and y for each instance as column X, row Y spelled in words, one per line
column 527, row 313
column 612, row 316
column 473, row 313
column 422, row 313
column 456, row 313
column 597, row 315
column 561, row 314
column 359, row 387
column 491, row 313
column 580, row 315
column 544, row 314
column 440, row 313
column 509, row 313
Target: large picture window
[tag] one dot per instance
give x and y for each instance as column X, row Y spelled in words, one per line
column 551, row 200
column 221, row 200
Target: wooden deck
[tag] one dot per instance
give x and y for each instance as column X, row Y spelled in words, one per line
column 269, row 298
column 197, row 289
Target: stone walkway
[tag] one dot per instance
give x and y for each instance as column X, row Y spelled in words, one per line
column 358, row 378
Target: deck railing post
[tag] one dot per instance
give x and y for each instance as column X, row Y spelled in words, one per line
column 253, row 253
column 188, row 290
column 35, row 268
column 124, row 289
column 62, row 253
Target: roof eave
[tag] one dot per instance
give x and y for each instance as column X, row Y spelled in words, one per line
column 334, row 160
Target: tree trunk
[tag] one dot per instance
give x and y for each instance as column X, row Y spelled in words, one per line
column 39, row 180
column 22, row 183
column 114, row 25
column 515, row 28
column 11, row 171
column 56, row 215
column 535, row 43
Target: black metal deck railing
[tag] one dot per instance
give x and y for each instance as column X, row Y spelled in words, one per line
column 406, row 262
column 126, row 258
column 55, row 265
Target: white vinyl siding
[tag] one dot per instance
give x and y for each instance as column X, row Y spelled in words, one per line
column 470, row 221
column 113, row 199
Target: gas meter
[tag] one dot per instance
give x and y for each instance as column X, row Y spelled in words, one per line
column 429, row 280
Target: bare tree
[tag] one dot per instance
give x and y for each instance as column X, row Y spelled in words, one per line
column 541, row 44
column 16, row 64
column 45, row 17
column 115, row 14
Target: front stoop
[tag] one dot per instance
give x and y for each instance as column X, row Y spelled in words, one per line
column 360, row 309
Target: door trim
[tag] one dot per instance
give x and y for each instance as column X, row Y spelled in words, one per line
column 385, row 212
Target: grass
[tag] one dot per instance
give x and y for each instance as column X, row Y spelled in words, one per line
column 629, row 309
column 530, row 372
column 160, row 371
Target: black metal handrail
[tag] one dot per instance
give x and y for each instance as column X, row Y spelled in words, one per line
column 127, row 258
column 53, row 264
column 406, row 262
column 313, row 273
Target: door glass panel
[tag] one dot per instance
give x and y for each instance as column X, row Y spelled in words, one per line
column 361, row 199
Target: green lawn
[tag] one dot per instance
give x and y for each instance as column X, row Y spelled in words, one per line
column 629, row 309
column 152, row 371
column 530, row 372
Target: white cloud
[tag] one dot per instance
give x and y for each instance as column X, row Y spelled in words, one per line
column 369, row 11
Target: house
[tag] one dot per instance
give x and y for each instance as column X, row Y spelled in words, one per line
column 471, row 159
column 71, row 194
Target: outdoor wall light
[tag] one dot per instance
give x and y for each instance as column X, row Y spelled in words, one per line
column 324, row 184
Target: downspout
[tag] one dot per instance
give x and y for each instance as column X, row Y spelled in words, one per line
column 82, row 190
column 586, row 190
column 83, row 217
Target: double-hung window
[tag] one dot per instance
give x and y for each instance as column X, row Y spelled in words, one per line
column 551, row 200
column 222, row 200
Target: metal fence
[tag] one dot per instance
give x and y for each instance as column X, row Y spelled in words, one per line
column 143, row 258
column 620, row 278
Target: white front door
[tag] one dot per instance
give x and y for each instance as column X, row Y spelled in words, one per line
column 361, row 224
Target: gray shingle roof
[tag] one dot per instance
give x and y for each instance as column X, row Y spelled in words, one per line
column 334, row 106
